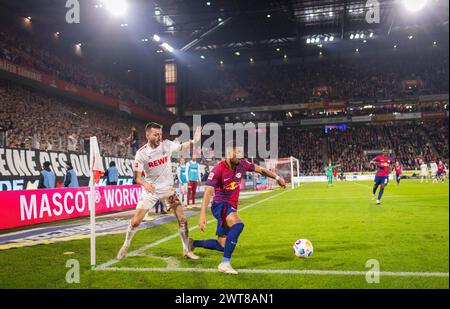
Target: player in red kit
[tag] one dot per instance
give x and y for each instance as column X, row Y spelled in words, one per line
column 224, row 183
column 382, row 176
column 398, row 172
column 441, row 171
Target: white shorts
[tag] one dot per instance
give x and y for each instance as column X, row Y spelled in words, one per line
column 148, row 200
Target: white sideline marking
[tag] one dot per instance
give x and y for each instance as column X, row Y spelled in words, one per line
column 153, row 244
column 362, row 185
column 280, row 271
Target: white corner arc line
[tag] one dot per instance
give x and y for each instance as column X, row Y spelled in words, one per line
column 280, row 271
column 163, row 240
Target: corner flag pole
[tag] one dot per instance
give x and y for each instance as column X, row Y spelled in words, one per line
column 92, row 217
column 96, row 170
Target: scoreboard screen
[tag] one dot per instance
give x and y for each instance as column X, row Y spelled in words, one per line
column 341, row 127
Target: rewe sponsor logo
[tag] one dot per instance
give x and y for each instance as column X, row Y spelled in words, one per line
column 158, row 162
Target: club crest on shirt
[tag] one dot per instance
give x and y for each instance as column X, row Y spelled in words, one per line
column 238, row 175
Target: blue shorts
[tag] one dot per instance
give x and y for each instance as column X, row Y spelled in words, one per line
column 381, row 180
column 220, row 211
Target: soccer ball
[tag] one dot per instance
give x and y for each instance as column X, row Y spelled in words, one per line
column 303, row 248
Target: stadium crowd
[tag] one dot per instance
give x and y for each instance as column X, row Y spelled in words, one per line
column 64, row 125
column 408, row 143
column 38, row 53
column 34, row 120
column 438, row 133
column 383, row 78
column 304, row 144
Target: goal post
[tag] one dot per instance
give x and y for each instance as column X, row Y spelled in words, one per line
column 288, row 168
column 295, row 172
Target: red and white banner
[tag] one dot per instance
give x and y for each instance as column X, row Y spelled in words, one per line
column 28, row 207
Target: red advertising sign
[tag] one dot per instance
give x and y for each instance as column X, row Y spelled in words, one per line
column 28, row 207
column 410, row 83
column 432, row 115
column 318, row 90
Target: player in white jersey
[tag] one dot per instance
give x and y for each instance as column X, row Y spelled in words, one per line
column 434, row 169
column 423, row 172
column 154, row 159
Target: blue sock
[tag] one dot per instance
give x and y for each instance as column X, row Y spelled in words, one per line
column 380, row 194
column 211, row 244
column 231, row 241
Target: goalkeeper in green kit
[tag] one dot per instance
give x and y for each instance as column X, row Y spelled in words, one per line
column 329, row 173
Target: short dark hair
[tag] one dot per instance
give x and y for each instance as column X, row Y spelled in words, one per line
column 46, row 164
column 153, row 125
column 112, row 163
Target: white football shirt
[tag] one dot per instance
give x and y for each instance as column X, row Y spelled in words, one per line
column 423, row 169
column 156, row 164
column 433, row 167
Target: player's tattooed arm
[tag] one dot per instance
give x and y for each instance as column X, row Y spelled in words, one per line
column 266, row 173
column 140, row 181
column 209, row 191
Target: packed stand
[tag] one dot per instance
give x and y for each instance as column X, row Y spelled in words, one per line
column 407, row 142
column 382, row 78
column 37, row 121
column 39, row 54
column 304, row 144
column 438, row 133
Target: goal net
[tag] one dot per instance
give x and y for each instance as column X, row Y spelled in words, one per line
column 288, row 168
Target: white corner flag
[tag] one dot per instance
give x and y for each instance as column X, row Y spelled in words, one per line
column 96, row 171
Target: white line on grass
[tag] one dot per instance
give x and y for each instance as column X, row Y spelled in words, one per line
column 163, row 240
column 360, row 184
column 281, row 271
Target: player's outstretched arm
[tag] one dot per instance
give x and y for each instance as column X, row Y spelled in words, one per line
column 140, row 181
column 209, row 190
column 197, row 136
column 266, row 173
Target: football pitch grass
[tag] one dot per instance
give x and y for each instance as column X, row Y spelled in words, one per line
column 408, row 235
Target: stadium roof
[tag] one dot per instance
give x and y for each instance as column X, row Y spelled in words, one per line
column 225, row 27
